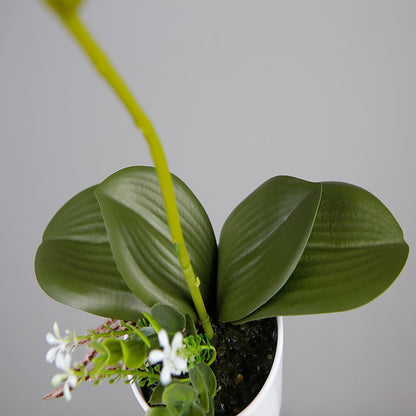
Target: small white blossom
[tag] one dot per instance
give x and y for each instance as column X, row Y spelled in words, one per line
column 174, row 363
column 63, row 362
column 60, row 345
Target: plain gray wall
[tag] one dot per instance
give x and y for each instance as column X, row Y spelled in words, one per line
column 239, row 91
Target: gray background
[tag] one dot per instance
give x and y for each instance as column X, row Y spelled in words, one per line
column 239, row 91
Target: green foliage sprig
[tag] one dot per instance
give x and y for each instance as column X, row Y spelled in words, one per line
column 121, row 350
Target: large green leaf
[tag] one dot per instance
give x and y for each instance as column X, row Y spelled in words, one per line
column 261, row 244
column 140, row 240
column 75, row 266
column 355, row 252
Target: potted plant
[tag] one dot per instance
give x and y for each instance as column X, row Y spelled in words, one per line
column 139, row 249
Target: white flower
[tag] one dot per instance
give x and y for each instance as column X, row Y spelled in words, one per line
column 173, row 361
column 60, row 345
column 63, row 362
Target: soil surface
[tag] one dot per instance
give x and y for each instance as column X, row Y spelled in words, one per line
column 245, row 356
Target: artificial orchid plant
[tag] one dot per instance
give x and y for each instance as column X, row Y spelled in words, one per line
column 139, row 248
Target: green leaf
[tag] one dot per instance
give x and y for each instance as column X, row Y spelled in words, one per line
column 157, row 396
column 208, row 377
column 168, row 317
column 99, row 361
column 114, row 350
column 75, row 266
column 190, row 327
column 138, row 333
column 200, row 383
column 152, row 322
column 178, row 394
column 355, row 252
column 152, row 337
column 99, row 365
column 134, row 353
column 148, row 331
column 261, row 243
column 194, row 410
column 158, row 411
column 211, row 410
column 137, row 227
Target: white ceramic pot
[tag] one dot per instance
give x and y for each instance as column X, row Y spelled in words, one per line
column 269, row 400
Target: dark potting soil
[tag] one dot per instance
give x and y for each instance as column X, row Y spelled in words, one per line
column 245, row 356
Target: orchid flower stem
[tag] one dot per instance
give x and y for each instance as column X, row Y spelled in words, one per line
column 104, row 67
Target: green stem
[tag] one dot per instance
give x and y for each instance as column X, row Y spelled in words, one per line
column 130, row 372
column 105, row 68
column 213, row 356
column 94, row 336
column 139, row 374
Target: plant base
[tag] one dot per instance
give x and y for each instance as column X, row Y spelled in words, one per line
column 267, row 401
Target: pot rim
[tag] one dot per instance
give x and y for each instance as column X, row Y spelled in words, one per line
column 266, row 386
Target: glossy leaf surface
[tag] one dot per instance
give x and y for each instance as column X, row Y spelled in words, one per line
column 75, row 265
column 355, row 252
column 140, row 240
column 262, row 242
